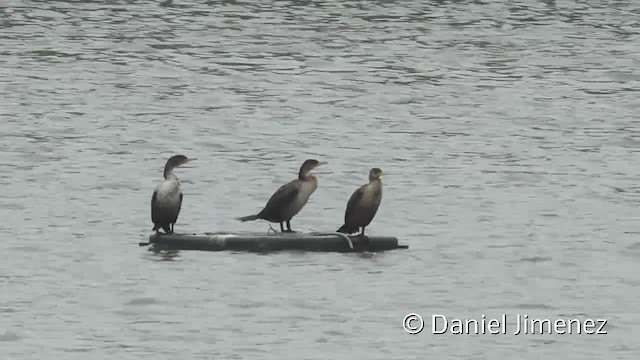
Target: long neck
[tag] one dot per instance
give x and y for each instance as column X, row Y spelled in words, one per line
column 169, row 174
column 306, row 176
column 376, row 185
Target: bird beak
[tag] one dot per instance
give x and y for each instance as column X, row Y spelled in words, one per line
column 322, row 163
column 381, row 173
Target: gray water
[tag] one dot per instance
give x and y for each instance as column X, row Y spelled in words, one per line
column 507, row 131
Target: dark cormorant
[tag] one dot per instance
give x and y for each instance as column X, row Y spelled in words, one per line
column 363, row 204
column 167, row 198
column 290, row 198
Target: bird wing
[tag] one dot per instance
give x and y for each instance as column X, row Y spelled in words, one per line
column 153, row 206
column 284, row 195
column 179, row 206
column 353, row 202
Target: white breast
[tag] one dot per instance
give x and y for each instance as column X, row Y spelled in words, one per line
column 168, row 193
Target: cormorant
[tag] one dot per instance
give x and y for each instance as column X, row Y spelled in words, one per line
column 363, row 204
column 167, row 197
column 290, row 198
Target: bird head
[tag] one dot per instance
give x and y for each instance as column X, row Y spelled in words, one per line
column 375, row 173
column 174, row 162
column 309, row 165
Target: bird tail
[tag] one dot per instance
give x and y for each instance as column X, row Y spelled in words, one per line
column 346, row 229
column 248, row 218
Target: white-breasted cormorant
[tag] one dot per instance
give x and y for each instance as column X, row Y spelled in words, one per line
column 290, row 198
column 363, row 204
column 167, row 197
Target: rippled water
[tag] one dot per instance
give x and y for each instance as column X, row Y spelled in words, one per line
column 508, row 132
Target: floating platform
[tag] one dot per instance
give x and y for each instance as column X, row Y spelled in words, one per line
column 320, row 242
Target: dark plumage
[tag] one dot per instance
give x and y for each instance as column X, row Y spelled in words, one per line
column 167, row 197
column 290, row 198
column 363, row 204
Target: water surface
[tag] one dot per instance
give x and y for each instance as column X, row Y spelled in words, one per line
column 508, row 133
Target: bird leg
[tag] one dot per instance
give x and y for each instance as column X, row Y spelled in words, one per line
column 364, row 239
column 289, row 227
column 281, row 227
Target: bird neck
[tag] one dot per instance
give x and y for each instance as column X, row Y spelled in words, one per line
column 375, row 186
column 169, row 174
column 304, row 176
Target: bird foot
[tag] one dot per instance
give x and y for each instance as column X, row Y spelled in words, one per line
column 290, row 231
